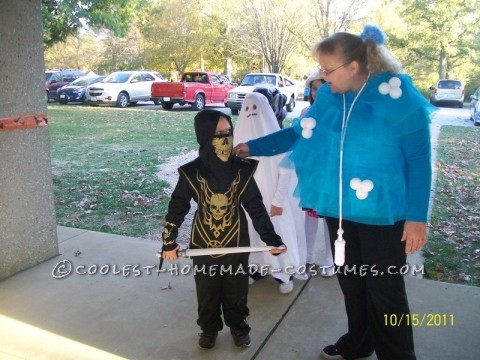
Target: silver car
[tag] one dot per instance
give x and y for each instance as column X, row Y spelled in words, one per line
column 122, row 88
column 448, row 91
column 475, row 107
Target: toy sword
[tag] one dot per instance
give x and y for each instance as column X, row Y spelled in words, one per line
column 215, row 251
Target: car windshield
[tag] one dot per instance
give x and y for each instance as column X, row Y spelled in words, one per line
column 251, row 80
column 117, row 78
column 81, row 82
column 48, row 75
column 449, row 84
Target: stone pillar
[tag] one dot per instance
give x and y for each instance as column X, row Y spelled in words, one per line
column 27, row 217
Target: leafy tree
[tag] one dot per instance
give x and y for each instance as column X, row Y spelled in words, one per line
column 222, row 46
column 441, row 34
column 175, row 36
column 80, row 51
column 63, row 18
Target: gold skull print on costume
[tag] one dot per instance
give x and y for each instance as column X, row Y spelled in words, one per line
column 219, row 220
column 218, row 209
column 223, row 147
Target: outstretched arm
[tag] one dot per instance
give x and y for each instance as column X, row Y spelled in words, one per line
column 273, row 144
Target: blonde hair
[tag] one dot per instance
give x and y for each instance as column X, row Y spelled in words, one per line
column 371, row 56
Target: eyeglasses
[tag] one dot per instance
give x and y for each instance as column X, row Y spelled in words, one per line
column 328, row 72
column 224, row 132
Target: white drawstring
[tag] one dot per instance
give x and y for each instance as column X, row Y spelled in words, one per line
column 340, row 242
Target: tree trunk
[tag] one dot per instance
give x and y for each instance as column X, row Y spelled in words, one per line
column 202, row 63
column 228, row 67
column 442, row 64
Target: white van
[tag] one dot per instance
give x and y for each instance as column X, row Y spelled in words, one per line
column 448, row 91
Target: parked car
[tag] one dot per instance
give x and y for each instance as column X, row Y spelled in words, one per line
column 196, row 88
column 448, row 91
column 75, row 91
column 227, row 79
column 475, row 107
column 251, row 81
column 55, row 79
column 122, row 88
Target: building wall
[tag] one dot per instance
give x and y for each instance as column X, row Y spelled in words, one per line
column 27, row 216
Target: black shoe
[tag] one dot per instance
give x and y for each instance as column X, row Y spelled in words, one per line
column 207, row 341
column 331, row 352
column 240, row 336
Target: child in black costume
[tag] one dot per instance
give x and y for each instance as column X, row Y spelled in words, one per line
column 223, row 186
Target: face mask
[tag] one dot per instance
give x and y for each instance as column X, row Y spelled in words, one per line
column 223, row 147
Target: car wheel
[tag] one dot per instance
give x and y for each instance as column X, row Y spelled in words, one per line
column 291, row 105
column 64, row 102
column 166, row 105
column 460, row 105
column 199, row 102
column 122, row 100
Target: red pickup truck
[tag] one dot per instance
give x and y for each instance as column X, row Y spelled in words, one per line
column 196, row 88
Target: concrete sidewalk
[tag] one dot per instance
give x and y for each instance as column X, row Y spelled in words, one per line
column 113, row 305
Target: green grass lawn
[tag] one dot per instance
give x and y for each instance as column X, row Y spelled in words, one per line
column 104, row 163
column 105, row 160
column 452, row 253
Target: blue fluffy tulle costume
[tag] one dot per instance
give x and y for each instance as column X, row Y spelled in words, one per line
column 386, row 141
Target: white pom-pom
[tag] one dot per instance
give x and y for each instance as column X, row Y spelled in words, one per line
column 308, row 123
column 384, row 88
column 395, row 82
column 367, row 185
column 395, row 93
column 355, row 183
column 361, row 194
column 362, row 188
column 307, row 133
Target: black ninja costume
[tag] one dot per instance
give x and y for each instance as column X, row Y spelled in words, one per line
column 223, row 187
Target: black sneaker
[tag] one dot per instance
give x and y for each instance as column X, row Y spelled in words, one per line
column 207, row 341
column 331, row 352
column 240, row 336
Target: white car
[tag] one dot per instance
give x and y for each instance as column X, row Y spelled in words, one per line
column 448, row 91
column 122, row 88
column 251, row 81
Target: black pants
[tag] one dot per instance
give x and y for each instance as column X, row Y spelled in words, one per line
column 217, row 291
column 374, row 291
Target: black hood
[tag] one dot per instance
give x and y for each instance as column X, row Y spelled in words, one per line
column 205, row 126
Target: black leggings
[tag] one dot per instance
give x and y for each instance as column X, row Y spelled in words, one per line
column 373, row 290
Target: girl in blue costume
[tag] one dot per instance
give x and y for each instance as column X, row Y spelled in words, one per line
column 362, row 156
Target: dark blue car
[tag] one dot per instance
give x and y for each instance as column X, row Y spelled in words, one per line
column 75, row 91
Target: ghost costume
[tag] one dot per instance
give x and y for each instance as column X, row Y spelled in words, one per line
column 276, row 184
column 223, row 187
